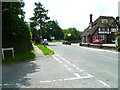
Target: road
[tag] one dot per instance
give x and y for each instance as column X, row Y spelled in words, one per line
column 72, row 66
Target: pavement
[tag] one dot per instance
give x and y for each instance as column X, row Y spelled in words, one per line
column 38, row 52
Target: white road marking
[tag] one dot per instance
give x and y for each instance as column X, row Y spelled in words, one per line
column 5, row 84
column 45, row 81
column 77, row 75
column 67, row 61
column 70, row 79
column 103, row 83
column 73, row 65
column 61, row 57
column 65, row 65
column 60, row 61
column 60, row 80
column 54, row 80
column 81, row 70
column 77, row 68
column 69, row 69
column 90, row 75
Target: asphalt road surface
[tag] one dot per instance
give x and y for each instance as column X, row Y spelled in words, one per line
column 72, row 66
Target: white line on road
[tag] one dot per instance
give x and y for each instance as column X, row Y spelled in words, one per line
column 73, row 65
column 65, row 65
column 81, row 70
column 77, row 68
column 45, row 81
column 61, row 57
column 103, row 83
column 60, row 80
column 54, row 80
column 67, row 61
column 69, row 69
column 60, row 61
column 77, row 75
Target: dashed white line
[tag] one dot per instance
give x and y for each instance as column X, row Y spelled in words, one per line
column 103, row 83
column 54, row 80
column 67, row 61
column 60, row 80
column 73, row 65
column 77, row 75
column 45, row 81
column 65, row 65
column 81, row 70
column 60, row 61
column 69, row 69
column 77, row 68
column 61, row 57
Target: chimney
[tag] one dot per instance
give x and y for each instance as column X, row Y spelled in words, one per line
column 117, row 18
column 91, row 18
column 90, row 24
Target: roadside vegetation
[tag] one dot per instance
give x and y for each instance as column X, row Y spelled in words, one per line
column 27, row 56
column 16, row 33
column 118, row 43
column 45, row 49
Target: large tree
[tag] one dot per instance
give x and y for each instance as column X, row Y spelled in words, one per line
column 52, row 29
column 39, row 19
column 74, row 34
column 15, row 32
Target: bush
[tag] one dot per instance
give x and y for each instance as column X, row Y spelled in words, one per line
column 118, row 43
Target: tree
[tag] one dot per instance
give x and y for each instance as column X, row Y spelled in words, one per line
column 52, row 29
column 39, row 18
column 15, row 32
column 75, row 34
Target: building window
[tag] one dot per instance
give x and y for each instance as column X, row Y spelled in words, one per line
column 113, row 30
column 104, row 21
column 104, row 31
column 102, row 37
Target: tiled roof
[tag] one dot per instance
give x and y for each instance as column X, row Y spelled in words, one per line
column 98, row 23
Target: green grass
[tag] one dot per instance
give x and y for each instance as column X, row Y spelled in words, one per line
column 20, row 57
column 45, row 50
column 56, row 41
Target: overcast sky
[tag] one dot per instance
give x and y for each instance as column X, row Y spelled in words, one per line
column 74, row 13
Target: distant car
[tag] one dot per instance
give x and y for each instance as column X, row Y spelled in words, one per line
column 45, row 42
column 97, row 41
column 67, row 42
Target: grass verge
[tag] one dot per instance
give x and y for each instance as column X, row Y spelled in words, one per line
column 20, row 57
column 45, row 50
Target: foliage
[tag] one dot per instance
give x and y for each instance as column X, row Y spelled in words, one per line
column 29, row 55
column 75, row 34
column 118, row 43
column 38, row 20
column 45, row 50
column 52, row 29
column 15, row 32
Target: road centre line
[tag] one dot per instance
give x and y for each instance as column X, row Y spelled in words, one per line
column 60, row 61
column 45, row 81
column 61, row 57
column 69, row 69
column 65, row 65
column 77, row 75
column 103, row 83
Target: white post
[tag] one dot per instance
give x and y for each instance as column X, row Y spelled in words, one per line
column 2, row 53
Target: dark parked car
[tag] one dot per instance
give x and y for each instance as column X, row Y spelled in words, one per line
column 97, row 41
column 67, row 42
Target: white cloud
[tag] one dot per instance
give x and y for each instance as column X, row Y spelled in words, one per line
column 75, row 13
